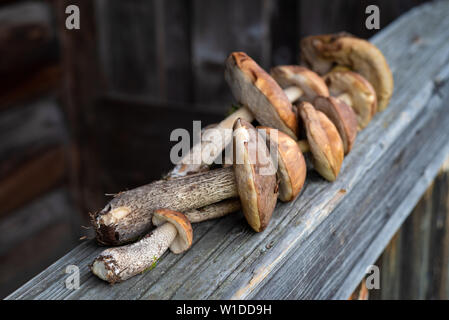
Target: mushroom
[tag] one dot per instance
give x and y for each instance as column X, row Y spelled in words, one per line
column 174, row 231
column 300, row 81
column 323, row 141
column 291, row 166
column 322, row 52
column 355, row 91
column 262, row 99
column 252, row 178
column 342, row 116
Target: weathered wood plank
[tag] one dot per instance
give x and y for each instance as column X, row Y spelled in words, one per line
column 420, row 249
column 220, row 28
column 319, row 245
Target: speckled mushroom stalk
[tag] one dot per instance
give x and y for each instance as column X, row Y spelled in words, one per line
column 323, row 52
column 118, row 264
column 129, row 214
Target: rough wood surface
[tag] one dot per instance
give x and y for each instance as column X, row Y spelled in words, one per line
column 320, row 245
column 415, row 263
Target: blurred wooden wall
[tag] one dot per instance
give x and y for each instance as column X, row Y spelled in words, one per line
column 169, row 55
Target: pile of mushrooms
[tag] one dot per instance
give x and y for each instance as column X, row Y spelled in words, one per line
column 317, row 110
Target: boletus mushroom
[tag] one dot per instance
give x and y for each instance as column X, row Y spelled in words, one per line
column 302, row 82
column 322, row 52
column 173, row 231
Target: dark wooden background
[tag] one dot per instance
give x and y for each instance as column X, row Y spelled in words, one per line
column 88, row 112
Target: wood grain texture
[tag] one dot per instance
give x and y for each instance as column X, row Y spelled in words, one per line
column 415, row 263
column 319, row 245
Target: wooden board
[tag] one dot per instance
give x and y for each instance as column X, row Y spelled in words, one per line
column 320, row 245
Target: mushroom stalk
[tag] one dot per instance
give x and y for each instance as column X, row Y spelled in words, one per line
column 129, row 214
column 209, row 148
column 120, row 263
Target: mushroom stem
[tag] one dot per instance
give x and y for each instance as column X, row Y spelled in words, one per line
column 209, row 148
column 120, row 263
column 129, row 214
column 293, row 93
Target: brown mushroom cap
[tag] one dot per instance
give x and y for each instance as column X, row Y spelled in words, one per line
column 342, row 116
column 307, row 80
column 255, row 175
column 325, row 143
column 184, row 238
column 358, row 89
column 291, row 171
column 257, row 90
column 323, row 51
